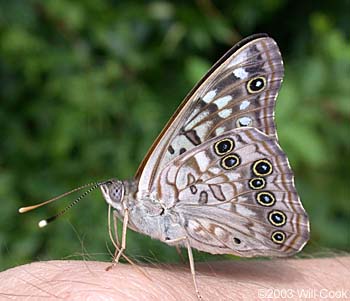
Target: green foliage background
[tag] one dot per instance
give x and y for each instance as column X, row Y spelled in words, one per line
column 86, row 86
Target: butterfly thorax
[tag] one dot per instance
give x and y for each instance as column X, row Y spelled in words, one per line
column 146, row 215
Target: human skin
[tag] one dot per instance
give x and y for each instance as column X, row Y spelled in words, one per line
column 226, row 280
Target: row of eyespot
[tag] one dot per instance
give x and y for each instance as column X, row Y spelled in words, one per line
column 266, row 198
column 260, row 168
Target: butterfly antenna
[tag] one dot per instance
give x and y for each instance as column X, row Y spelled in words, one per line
column 29, row 208
column 44, row 222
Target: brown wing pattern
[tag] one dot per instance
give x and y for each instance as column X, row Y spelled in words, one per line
column 235, row 194
column 239, row 91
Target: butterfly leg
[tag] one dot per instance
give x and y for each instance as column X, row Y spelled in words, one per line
column 193, row 271
column 114, row 238
column 115, row 228
column 190, row 258
column 125, row 228
column 118, row 250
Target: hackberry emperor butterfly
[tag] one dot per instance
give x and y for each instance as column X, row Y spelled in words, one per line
column 216, row 178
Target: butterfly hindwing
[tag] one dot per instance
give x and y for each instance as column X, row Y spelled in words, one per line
column 235, row 194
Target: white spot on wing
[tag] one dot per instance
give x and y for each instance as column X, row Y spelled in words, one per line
column 202, row 160
column 215, row 170
column 244, row 121
column 219, row 130
column 240, row 73
column 209, row 96
column 202, row 129
column 245, row 104
column 223, row 101
column 225, row 113
column 232, row 176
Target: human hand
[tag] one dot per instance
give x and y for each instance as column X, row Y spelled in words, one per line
column 225, row 280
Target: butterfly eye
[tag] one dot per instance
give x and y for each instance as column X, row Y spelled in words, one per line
column 265, row 198
column 230, row 161
column 277, row 218
column 257, row 183
column 262, row 167
column 224, row 146
column 278, row 237
column 256, row 84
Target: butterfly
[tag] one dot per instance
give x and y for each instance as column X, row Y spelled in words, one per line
column 216, row 178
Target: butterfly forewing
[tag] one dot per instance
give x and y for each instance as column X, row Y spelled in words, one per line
column 239, row 91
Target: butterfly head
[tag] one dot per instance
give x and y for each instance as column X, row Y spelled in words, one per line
column 113, row 192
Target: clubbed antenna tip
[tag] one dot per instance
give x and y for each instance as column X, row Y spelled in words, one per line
column 42, row 223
